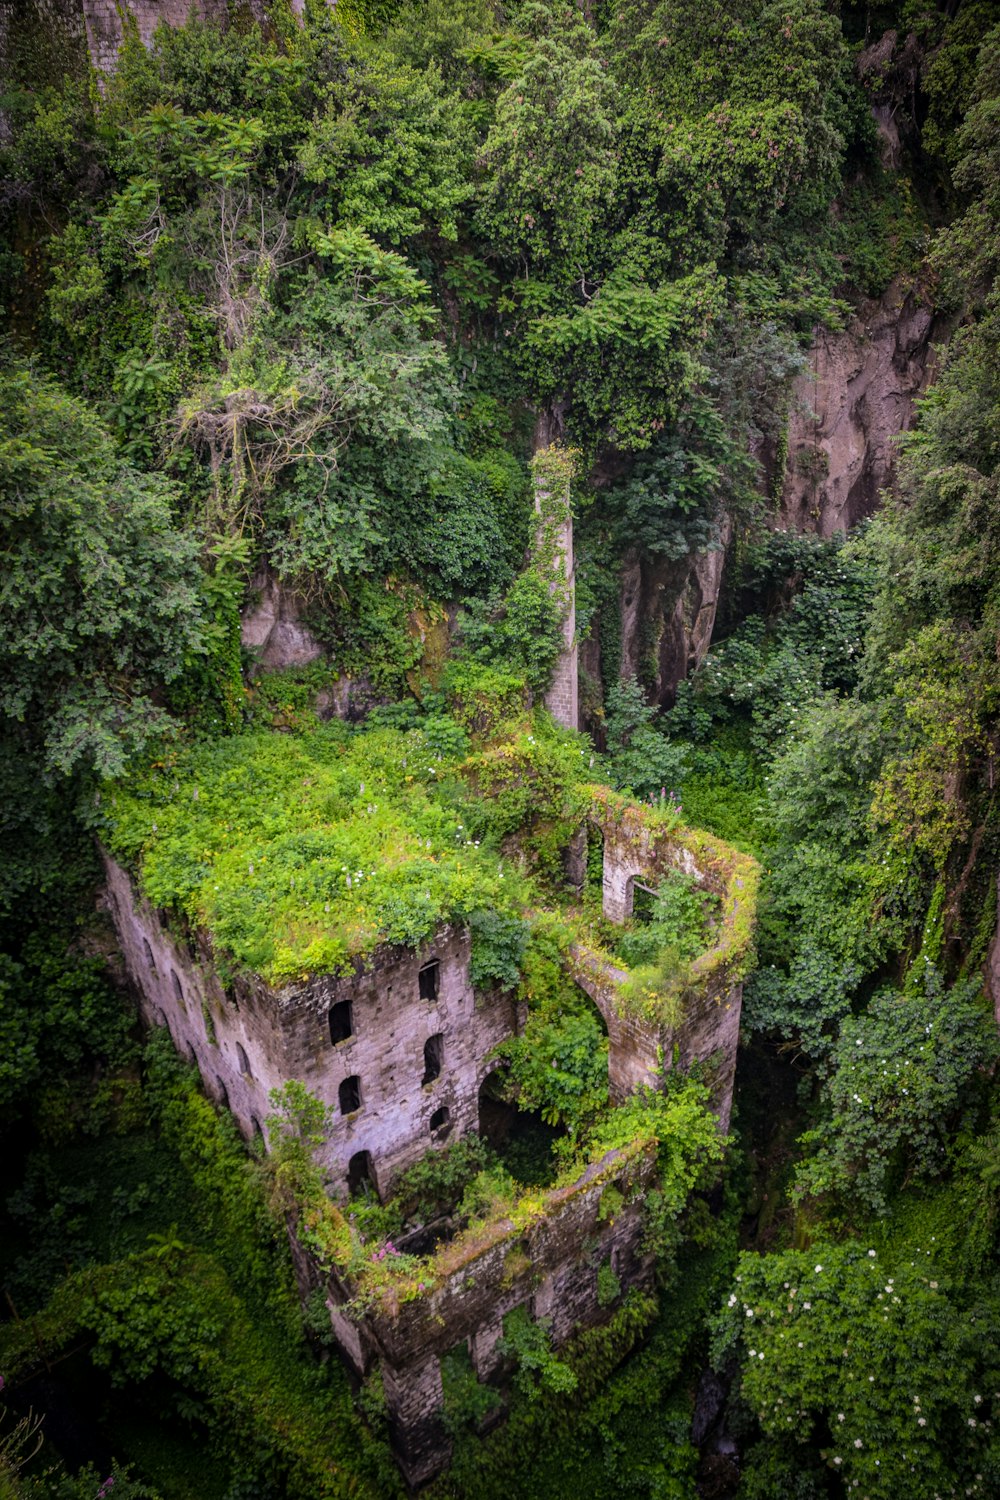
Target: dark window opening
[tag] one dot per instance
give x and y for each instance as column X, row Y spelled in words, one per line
column 350, row 1095
column 643, row 903
column 244, row 1060
column 341, row 1022
column 150, row 960
column 258, row 1129
column 360, row 1176
column 441, row 1119
column 521, row 1138
column 223, row 1093
column 178, row 990
column 427, row 979
column 433, row 1057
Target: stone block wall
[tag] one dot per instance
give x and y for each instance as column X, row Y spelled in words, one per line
column 251, row 1038
column 640, row 844
column 563, row 697
column 392, row 1023
column 105, row 21
column 180, row 992
column 550, row 1267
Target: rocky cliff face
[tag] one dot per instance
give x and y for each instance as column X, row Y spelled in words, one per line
column 667, row 616
column 849, row 406
column 855, row 396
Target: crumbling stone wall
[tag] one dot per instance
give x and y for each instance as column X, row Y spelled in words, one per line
column 550, row 1267
column 392, row 1023
column 372, row 1029
column 179, row 992
column 251, row 1038
column 106, row 20
column 563, row 696
column 640, row 845
column 554, row 550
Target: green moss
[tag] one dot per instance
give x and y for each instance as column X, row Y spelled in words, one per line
column 298, row 853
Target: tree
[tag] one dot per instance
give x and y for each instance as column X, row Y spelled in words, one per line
column 100, row 602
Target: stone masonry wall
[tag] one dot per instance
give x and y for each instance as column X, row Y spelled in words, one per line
column 386, row 1051
column 105, row 22
column 563, row 697
column 550, row 1268
column 554, row 547
column 178, row 992
column 253, row 1039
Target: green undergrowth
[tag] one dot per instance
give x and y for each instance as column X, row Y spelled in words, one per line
column 162, row 1260
column 301, row 852
column 678, row 1127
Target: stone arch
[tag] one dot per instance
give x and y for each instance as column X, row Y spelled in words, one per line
column 495, row 1116
column 244, row 1061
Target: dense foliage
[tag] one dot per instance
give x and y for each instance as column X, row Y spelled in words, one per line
column 288, row 304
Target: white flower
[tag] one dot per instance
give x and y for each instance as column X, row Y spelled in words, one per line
column 872, row 1254
column 818, row 1269
column 807, row 1306
column 921, row 1421
column 858, row 1443
column 840, row 1416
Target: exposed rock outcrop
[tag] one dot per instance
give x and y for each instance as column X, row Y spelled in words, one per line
column 849, row 406
column 668, row 614
column 272, row 627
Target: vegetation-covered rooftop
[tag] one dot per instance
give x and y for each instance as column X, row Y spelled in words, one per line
column 300, row 853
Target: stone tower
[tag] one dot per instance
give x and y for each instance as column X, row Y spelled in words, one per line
column 552, row 470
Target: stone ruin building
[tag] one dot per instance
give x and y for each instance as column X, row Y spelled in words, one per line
column 401, row 1051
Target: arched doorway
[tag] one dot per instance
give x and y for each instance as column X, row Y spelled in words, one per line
column 361, row 1176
